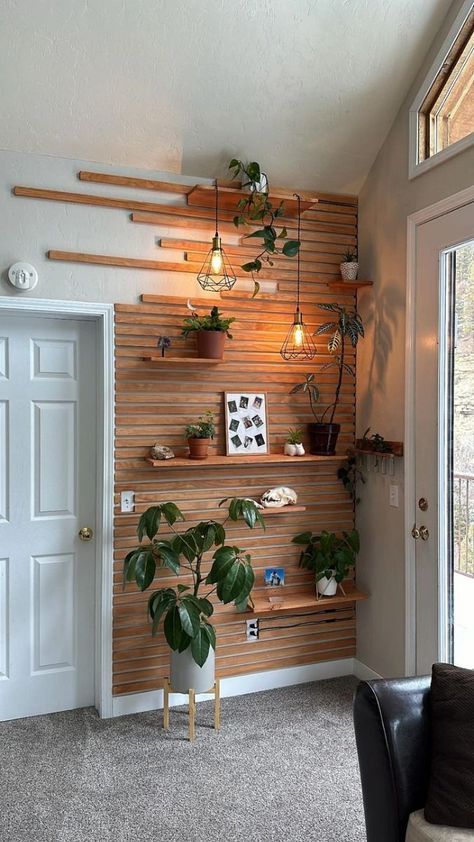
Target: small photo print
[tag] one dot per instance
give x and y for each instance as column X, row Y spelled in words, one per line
column 274, row 577
column 257, row 421
column 236, row 441
column 232, row 406
column 260, row 440
column 234, row 425
column 244, row 402
column 257, row 402
column 248, row 442
column 246, row 422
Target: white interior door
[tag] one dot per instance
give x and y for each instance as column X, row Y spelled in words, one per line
column 432, row 519
column 48, row 401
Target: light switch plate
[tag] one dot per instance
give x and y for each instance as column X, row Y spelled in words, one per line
column 393, row 496
column 127, row 501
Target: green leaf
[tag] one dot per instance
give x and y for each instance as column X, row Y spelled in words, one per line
column 206, row 606
column 325, row 328
column 171, row 513
column 232, row 585
column 173, row 629
column 200, row 647
column 189, row 616
column 168, row 555
column 250, row 267
column 129, row 564
column 223, row 559
column 149, row 523
column 211, row 633
column 261, row 232
column 145, row 569
column 302, row 538
column 291, row 248
column 158, row 603
column 334, row 342
column 283, row 233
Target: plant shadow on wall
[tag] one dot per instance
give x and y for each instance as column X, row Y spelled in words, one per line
column 382, row 314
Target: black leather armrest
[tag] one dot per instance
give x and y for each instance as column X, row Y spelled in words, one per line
column 392, row 728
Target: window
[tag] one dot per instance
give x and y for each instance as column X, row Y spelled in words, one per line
column 442, row 116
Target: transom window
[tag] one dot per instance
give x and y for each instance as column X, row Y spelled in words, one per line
column 442, row 116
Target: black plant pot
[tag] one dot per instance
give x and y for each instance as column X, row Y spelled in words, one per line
column 323, row 438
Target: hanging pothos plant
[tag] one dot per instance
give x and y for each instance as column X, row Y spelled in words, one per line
column 257, row 210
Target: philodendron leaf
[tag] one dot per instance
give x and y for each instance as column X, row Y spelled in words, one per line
column 168, row 555
column 200, row 647
column 189, row 616
column 159, row 602
column 231, row 586
column 149, row 523
column 173, row 629
column 145, row 568
column 129, row 564
column 171, row 513
column 223, row 559
column 291, row 248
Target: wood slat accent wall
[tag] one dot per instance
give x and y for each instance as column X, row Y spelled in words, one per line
column 153, row 403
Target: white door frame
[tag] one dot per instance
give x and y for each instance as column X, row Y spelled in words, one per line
column 102, row 314
column 458, row 200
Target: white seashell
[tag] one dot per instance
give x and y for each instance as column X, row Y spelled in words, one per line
column 275, row 498
column 161, row 451
column 290, row 449
column 299, row 449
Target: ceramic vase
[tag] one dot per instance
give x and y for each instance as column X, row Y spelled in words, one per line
column 186, row 674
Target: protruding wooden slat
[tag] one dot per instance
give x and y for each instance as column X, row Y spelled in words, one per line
column 139, row 183
column 204, row 195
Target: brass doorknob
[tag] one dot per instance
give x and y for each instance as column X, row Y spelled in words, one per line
column 415, row 532
column 86, row 533
column 424, row 533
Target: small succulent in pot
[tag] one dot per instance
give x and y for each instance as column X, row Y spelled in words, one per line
column 200, row 434
column 349, row 266
column 211, row 331
column 294, row 442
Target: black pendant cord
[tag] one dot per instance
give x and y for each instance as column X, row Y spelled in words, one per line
column 217, row 209
column 298, row 255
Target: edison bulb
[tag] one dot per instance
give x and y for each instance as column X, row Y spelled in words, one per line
column 216, row 261
column 298, row 336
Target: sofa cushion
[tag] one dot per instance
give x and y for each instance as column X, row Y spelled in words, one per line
column 419, row 830
column 450, row 799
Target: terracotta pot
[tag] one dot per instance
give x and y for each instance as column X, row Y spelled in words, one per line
column 323, row 438
column 198, row 448
column 210, row 344
column 349, row 271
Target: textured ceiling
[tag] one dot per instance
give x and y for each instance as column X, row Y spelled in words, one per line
column 307, row 87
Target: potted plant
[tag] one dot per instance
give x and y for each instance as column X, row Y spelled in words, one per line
column 294, row 443
column 211, row 331
column 256, row 209
column 329, row 557
column 349, row 266
column 200, row 434
column 345, row 327
column 186, row 608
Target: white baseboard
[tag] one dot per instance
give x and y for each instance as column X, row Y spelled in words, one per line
column 363, row 672
column 238, row 686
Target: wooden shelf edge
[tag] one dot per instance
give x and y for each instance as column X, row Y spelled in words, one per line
column 262, row 608
column 397, row 450
column 223, row 461
column 157, row 358
column 349, row 284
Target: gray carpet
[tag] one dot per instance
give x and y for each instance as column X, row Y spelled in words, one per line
column 283, row 767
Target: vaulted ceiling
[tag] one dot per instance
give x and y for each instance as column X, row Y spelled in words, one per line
column 307, row 87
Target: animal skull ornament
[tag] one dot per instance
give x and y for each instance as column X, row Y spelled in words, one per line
column 276, row 498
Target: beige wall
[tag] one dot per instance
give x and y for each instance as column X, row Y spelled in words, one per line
column 386, row 200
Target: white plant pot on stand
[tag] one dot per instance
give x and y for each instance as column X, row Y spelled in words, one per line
column 326, row 587
column 187, row 675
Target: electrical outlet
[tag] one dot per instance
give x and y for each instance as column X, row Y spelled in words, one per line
column 393, row 496
column 127, row 501
column 252, row 630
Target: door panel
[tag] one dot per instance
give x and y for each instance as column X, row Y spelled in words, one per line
column 433, row 459
column 48, row 403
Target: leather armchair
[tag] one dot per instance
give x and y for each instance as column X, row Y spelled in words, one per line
column 392, row 728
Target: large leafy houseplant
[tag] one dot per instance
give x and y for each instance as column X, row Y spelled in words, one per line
column 186, row 608
column 345, row 329
column 256, row 209
column 328, row 555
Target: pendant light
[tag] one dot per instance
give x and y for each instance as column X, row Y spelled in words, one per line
column 298, row 344
column 216, row 272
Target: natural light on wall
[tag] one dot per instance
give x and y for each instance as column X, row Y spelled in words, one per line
column 442, row 116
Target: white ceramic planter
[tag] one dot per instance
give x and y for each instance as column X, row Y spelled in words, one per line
column 299, row 450
column 349, row 271
column 260, row 186
column 187, row 675
column 327, row 587
column 290, row 449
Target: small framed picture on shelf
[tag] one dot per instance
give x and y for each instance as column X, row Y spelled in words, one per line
column 274, row 577
column 246, row 423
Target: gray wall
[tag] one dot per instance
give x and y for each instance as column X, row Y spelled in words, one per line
column 386, row 200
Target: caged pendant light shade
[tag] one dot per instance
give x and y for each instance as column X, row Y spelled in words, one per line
column 216, row 272
column 298, row 344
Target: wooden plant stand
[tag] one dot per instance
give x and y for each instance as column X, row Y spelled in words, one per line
column 216, row 690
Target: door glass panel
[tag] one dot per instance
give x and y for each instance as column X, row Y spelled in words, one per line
column 461, row 633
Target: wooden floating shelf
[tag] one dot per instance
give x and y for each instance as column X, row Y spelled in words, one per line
column 262, row 606
column 282, row 510
column 223, row 461
column 157, row 358
column 396, row 449
column 349, row 284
